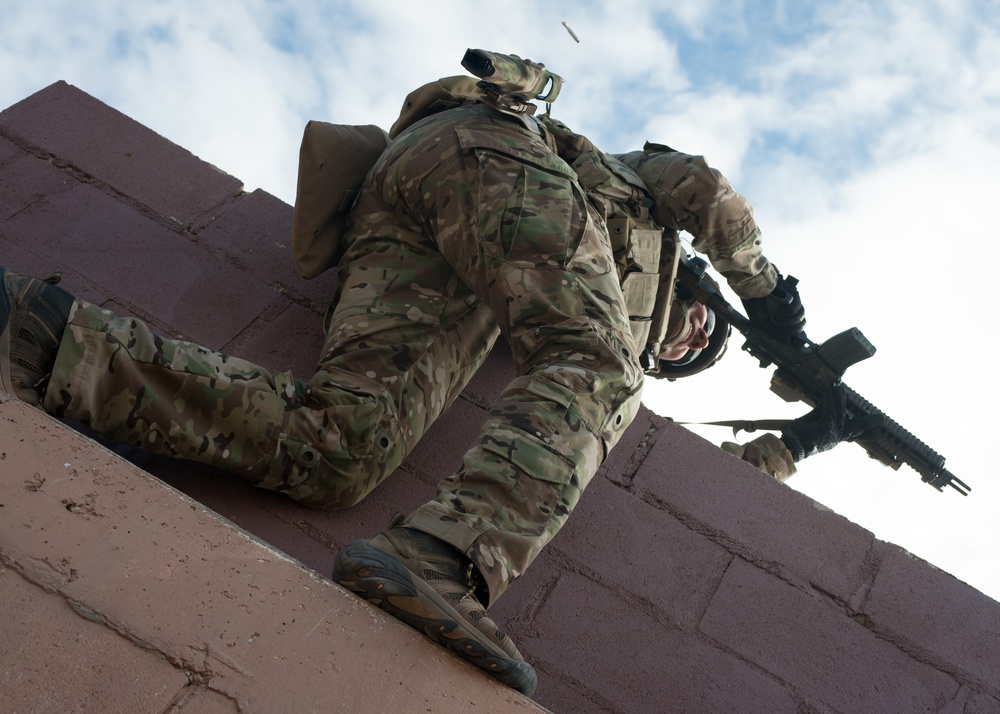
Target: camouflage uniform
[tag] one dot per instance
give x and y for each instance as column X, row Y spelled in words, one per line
column 469, row 226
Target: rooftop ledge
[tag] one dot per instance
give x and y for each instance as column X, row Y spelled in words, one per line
column 119, row 593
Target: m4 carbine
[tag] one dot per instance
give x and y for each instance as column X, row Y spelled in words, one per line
column 805, row 371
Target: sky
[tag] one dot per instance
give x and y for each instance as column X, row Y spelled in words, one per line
column 866, row 135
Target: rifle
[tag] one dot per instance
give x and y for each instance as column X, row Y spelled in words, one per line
column 805, row 371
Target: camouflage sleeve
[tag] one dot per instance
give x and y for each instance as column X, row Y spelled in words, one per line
column 691, row 196
column 767, row 453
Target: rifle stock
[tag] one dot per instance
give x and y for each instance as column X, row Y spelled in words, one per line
column 805, row 371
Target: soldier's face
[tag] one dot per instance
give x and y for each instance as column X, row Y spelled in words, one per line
column 691, row 334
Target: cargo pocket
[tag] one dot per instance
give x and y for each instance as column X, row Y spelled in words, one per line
column 532, row 212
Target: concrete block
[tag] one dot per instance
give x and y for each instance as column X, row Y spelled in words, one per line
column 254, row 232
column 972, row 702
column 138, row 557
column 492, row 378
column 594, row 636
column 756, row 516
column 290, row 341
column 813, row 646
column 269, row 516
column 439, row 454
column 9, row 153
column 982, row 704
column 53, row 659
column 24, row 179
column 632, row 448
column 199, row 700
column 958, row 626
column 310, row 536
column 23, row 260
column 515, row 611
column 68, row 123
column 645, row 551
column 30, row 261
column 571, row 697
column 160, row 272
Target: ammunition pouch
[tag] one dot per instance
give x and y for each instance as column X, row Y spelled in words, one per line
column 647, row 259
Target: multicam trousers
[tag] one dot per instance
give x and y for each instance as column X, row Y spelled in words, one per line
column 469, row 225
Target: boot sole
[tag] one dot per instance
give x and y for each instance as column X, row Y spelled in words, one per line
column 385, row 582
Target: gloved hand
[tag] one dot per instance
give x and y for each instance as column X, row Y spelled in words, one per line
column 826, row 426
column 780, row 312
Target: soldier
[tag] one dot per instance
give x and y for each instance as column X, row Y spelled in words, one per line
column 476, row 221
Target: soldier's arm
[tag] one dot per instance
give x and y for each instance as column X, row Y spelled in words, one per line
column 691, row 196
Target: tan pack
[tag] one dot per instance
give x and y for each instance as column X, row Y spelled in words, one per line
column 433, row 97
column 334, row 160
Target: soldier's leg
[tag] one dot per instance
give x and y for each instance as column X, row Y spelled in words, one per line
column 511, row 220
column 403, row 339
column 545, row 266
column 164, row 396
column 325, row 442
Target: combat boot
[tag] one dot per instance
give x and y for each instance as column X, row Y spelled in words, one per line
column 431, row 586
column 33, row 316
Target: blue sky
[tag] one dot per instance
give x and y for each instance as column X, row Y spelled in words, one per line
column 867, row 135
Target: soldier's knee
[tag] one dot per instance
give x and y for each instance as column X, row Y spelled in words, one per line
column 621, row 364
column 340, row 478
column 622, row 381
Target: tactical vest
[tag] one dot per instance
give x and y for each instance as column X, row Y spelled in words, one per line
column 647, row 259
column 646, row 255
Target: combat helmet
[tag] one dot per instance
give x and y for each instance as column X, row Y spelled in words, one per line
column 694, row 361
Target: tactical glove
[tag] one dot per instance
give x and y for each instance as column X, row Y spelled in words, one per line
column 826, row 426
column 780, row 312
